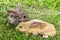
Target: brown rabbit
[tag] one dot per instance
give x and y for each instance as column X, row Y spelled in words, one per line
column 17, row 15
column 37, row 26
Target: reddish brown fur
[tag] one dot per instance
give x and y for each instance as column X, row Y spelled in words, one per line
column 37, row 26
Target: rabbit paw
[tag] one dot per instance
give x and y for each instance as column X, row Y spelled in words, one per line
column 45, row 36
column 35, row 33
column 26, row 34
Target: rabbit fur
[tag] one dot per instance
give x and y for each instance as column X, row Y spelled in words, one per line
column 17, row 15
column 36, row 26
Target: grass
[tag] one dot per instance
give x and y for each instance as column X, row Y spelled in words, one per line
column 47, row 10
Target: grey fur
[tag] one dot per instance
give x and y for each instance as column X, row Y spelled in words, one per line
column 17, row 15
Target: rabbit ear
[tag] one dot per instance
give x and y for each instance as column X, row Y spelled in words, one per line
column 19, row 6
column 11, row 11
column 39, row 24
column 35, row 23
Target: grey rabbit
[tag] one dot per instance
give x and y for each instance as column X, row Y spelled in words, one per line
column 17, row 15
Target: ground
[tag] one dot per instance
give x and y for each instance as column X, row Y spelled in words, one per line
column 37, row 9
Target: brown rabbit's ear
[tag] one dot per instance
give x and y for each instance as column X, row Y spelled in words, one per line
column 19, row 6
column 35, row 23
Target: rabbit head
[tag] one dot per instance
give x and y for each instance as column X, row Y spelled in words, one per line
column 17, row 15
column 23, row 26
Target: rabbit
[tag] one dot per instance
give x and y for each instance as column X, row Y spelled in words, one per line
column 36, row 27
column 17, row 15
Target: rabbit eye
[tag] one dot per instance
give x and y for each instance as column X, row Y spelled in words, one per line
column 24, row 16
column 21, row 26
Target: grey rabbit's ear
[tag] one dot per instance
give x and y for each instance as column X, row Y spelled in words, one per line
column 10, row 11
column 19, row 6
